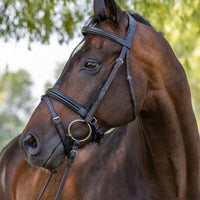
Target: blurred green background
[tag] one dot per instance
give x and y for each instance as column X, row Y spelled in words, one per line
column 179, row 20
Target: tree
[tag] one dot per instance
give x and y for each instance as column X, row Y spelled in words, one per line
column 40, row 19
column 15, row 103
column 178, row 19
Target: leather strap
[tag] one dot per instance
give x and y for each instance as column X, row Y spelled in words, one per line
column 66, row 100
column 67, row 169
column 107, row 84
column 97, row 132
column 88, row 115
column 126, row 43
column 57, row 123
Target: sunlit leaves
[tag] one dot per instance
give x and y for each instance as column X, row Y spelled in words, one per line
column 38, row 20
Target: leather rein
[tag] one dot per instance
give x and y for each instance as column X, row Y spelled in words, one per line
column 69, row 142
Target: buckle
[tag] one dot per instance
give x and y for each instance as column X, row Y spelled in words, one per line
column 129, row 78
column 120, row 60
column 56, row 120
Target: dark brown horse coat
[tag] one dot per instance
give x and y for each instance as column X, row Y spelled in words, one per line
column 155, row 157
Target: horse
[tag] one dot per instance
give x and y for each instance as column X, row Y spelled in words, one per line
column 124, row 74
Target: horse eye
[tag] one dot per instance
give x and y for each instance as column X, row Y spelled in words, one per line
column 91, row 64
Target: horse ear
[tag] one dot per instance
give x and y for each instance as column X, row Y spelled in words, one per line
column 107, row 9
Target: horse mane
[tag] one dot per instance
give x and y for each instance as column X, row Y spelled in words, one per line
column 140, row 19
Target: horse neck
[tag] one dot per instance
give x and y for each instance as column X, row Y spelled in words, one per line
column 165, row 152
column 169, row 129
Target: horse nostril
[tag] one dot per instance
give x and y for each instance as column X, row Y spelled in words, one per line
column 31, row 144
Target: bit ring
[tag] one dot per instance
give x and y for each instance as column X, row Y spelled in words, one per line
column 69, row 134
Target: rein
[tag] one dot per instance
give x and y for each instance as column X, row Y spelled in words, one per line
column 87, row 115
column 66, row 172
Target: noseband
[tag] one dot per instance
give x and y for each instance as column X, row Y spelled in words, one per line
column 88, row 114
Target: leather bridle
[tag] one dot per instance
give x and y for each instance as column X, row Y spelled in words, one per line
column 87, row 115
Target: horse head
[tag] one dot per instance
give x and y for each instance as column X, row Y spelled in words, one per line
column 82, row 79
column 121, row 69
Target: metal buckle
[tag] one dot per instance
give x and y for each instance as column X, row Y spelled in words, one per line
column 94, row 120
column 56, row 120
column 120, row 60
column 129, row 77
column 69, row 134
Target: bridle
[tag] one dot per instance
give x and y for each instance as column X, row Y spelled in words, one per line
column 87, row 115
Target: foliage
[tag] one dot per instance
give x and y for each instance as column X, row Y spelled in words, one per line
column 15, row 103
column 40, row 19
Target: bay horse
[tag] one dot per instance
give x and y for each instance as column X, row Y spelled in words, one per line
column 124, row 74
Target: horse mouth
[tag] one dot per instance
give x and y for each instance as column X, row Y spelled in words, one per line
column 53, row 162
column 54, row 159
